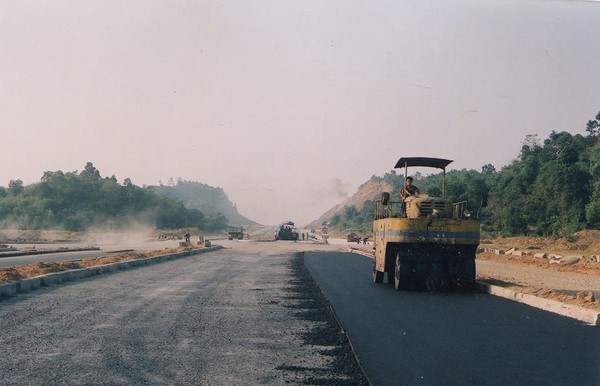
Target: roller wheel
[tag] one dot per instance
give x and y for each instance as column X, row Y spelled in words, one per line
column 467, row 281
column 420, row 275
column 391, row 276
column 402, row 272
column 377, row 275
column 454, row 273
column 438, row 274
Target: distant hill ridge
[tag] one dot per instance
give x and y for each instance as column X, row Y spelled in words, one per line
column 207, row 199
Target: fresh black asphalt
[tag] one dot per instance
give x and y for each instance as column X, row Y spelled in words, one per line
column 411, row 338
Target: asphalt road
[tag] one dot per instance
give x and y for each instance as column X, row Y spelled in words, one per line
column 410, row 338
column 229, row 317
column 253, row 315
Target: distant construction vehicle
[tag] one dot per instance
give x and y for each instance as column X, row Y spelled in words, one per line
column 352, row 237
column 424, row 242
column 287, row 231
column 235, row 232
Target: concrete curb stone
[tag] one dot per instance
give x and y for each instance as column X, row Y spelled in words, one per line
column 55, row 278
column 585, row 315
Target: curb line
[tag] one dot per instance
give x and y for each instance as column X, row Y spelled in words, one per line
column 590, row 317
column 360, row 252
column 55, row 278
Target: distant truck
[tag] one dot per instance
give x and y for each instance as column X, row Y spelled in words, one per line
column 235, row 232
column 353, row 238
column 287, row 231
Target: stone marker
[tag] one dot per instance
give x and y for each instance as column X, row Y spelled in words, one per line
column 570, row 260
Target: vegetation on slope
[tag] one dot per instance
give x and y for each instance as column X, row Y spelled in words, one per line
column 209, row 200
column 78, row 201
column 550, row 189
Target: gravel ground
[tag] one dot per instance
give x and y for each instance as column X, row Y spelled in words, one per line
column 310, row 305
column 241, row 316
column 537, row 277
column 249, row 314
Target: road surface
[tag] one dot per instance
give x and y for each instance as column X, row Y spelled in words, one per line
column 229, row 317
column 250, row 314
column 410, row 338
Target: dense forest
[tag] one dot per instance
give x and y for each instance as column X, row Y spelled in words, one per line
column 77, row 201
column 551, row 189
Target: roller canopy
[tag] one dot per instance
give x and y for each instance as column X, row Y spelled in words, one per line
column 423, row 161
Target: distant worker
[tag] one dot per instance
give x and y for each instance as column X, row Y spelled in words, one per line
column 409, row 189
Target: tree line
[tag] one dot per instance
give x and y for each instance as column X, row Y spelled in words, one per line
column 77, row 201
column 552, row 188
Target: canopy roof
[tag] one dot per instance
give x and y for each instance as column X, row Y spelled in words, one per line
column 439, row 163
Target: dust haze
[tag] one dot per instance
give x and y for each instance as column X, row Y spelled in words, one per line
column 293, row 96
column 132, row 234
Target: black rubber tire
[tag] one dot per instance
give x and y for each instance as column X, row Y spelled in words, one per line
column 390, row 277
column 377, row 275
column 402, row 273
column 467, row 280
column 420, row 274
column 438, row 274
column 454, row 272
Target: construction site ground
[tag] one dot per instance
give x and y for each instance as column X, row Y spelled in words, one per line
column 575, row 284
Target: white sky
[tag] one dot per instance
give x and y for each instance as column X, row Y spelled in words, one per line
column 287, row 104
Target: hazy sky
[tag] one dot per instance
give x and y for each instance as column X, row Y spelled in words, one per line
column 287, row 105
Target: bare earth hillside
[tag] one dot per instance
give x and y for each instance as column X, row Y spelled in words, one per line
column 369, row 191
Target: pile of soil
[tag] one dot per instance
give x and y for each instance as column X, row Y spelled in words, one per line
column 585, row 265
column 587, row 241
column 20, row 272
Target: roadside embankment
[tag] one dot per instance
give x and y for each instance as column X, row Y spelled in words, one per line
column 17, row 284
column 28, row 252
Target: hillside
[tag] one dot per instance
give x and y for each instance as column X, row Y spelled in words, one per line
column 209, row 200
column 552, row 188
column 368, row 191
column 78, row 201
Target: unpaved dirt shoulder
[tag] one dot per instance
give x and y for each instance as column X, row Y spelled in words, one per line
column 568, row 284
column 574, row 284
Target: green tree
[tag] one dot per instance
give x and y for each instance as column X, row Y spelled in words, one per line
column 593, row 126
column 15, row 187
